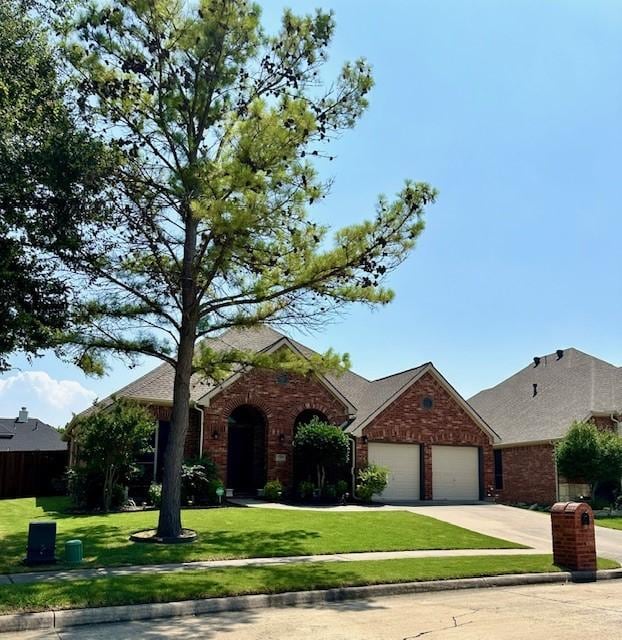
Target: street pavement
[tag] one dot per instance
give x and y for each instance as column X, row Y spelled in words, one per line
column 548, row 612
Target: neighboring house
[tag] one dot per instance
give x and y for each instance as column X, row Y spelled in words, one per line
column 32, row 455
column 414, row 422
column 534, row 408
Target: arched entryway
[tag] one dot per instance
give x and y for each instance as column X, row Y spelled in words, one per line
column 246, row 449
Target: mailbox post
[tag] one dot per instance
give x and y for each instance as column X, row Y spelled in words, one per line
column 574, row 543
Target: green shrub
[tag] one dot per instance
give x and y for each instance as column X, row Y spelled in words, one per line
column 593, row 455
column 273, row 490
column 342, row 487
column 155, row 494
column 322, row 445
column 330, row 491
column 109, row 441
column 199, row 481
column 372, row 480
column 305, row 490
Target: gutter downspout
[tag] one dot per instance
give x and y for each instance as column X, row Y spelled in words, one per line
column 352, row 437
column 556, row 474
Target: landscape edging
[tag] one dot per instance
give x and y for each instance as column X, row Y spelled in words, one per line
column 126, row 613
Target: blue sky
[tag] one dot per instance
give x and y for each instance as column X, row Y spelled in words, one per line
column 513, row 110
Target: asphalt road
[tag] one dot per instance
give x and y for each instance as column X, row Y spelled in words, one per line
column 551, row 612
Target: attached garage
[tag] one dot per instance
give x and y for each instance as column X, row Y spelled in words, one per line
column 404, row 462
column 455, row 473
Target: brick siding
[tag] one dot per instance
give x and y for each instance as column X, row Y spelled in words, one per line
column 528, row 474
column 193, row 435
column 406, row 421
column 280, row 402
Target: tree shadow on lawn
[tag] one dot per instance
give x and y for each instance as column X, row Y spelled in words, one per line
column 108, row 545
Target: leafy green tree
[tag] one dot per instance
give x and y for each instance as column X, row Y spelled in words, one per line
column 589, row 453
column 221, row 128
column 51, row 175
column 322, row 445
column 108, row 441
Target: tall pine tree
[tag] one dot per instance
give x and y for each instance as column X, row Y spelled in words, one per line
column 220, row 126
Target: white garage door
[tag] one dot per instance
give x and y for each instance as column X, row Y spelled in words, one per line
column 403, row 461
column 455, row 473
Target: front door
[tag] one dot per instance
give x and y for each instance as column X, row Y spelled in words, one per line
column 246, row 449
column 240, row 457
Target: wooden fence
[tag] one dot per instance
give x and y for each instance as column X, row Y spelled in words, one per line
column 32, row 473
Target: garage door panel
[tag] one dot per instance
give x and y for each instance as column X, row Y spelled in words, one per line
column 455, row 473
column 403, row 461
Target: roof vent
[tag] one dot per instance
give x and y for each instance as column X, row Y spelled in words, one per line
column 535, row 389
column 23, row 415
column 560, row 354
column 536, row 361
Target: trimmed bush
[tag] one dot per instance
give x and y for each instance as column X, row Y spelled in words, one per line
column 342, row 487
column 305, row 490
column 322, row 445
column 199, row 481
column 372, row 480
column 155, row 494
column 273, row 490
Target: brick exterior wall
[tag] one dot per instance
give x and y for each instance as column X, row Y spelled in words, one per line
column 528, row 474
column 193, row 436
column 280, row 404
column 605, row 423
column 406, row 421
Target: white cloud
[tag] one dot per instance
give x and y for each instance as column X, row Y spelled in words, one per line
column 62, row 397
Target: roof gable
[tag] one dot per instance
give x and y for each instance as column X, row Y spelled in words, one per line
column 281, row 343
column 399, row 383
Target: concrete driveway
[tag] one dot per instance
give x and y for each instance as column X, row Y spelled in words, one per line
column 532, row 528
column 548, row 612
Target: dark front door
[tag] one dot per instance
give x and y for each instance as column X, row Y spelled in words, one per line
column 240, row 457
column 246, row 449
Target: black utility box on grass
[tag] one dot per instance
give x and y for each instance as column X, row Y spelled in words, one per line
column 41, row 543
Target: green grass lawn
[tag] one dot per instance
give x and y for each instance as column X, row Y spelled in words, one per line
column 614, row 522
column 231, row 533
column 211, row 583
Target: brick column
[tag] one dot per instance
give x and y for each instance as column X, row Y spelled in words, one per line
column 574, row 545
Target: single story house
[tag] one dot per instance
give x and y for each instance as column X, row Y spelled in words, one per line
column 33, row 457
column 414, row 422
column 534, row 408
column 29, row 434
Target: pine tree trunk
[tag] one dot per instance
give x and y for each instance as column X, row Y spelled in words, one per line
column 169, row 523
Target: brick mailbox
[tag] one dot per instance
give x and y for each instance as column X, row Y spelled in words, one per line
column 574, row 545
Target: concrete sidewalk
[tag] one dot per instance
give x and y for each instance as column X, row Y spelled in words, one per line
column 106, row 572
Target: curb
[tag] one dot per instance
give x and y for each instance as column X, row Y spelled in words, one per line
column 126, row 613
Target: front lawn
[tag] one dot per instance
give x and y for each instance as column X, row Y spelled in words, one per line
column 231, row 533
column 212, row 583
column 611, row 522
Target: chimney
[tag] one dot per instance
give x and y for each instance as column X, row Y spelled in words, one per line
column 23, row 415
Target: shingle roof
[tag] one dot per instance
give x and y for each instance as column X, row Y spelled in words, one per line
column 32, row 435
column 366, row 395
column 568, row 388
